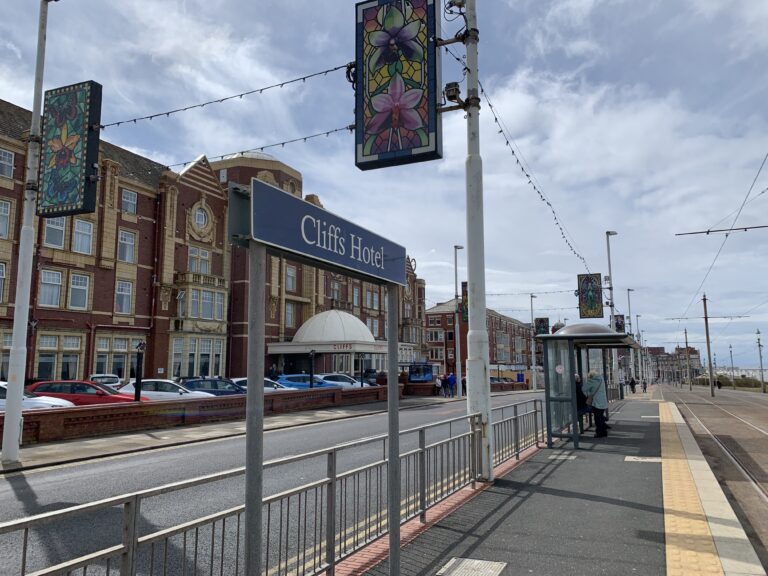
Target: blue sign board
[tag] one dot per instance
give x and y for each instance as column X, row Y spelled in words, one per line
column 288, row 222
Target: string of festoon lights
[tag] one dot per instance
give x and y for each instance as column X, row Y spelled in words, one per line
column 526, row 171
column 169, row 113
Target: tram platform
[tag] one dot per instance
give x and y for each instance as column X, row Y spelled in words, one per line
column 642, row 501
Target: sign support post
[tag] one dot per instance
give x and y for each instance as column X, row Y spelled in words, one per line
column 254, row 407
column 18, row 358
column 393, row 432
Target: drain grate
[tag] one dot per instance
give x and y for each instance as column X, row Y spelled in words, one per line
column 469, row 567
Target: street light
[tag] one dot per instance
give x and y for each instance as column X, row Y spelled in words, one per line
column 533, row 347
column 733, row 374
column 457, row 320
column 760, row 352
column 614, row 354
column 629, row 318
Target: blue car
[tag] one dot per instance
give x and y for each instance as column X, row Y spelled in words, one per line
column 215, row 386
column 301, row 381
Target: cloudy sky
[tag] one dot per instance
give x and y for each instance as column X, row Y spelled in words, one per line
column 647, row 118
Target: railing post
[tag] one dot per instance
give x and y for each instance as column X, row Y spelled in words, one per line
column 477, row 448
column 516, row 428
column 423, row 475
column 330, row 518
column 130, row 536
column 536, row 421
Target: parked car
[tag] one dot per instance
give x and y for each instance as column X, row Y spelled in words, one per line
column 162, row 389
column 369, row 376
column 80, row 392
column 342, row 380
column 111, row 380
column 214, row 385
column 302, row 381
column 269, row 384
column 33, row 402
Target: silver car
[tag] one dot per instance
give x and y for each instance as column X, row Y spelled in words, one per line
column 161, row 389
column 342, row 380
column 269, row 385
column 34, row 402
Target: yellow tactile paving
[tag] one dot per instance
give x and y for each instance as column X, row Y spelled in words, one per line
column 689, row 545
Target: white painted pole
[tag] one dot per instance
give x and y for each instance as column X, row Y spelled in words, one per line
column 478, row 357
column 709, row 349
column 760, row 353
column 254, row 407
column 629, row 319
column 733, row 372
column 457, row 321
column 533, row 348
column 18, row 358
column 614, row 353
column 393, row 431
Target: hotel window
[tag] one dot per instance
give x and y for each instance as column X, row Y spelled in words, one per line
column 206, row 310
column 126, row 246
column 123, row 295
column 376, row 299
column 2, row 281
column 191, row 355
column 201, row 218
column 290, row 278
column 194, row 304
column 219, row 306
column 375, row 329
column 356, row 296
column 78, row 291
column 5, row 355
column 130, row 198
column 178, row 345
column 53, row 236
column 368, row 299
column 199, row 260
column 290, row 314
column 69, row 365
column 5, row 218
column 218, row 352
column 83, row 237
column 46, row 365
column 335, row 290
column 205, row 357
column 6, row 163
column 50, row 288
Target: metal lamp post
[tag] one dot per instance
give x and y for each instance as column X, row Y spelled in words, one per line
column 733, row 372
column 629, row 320
column 457, row 320
column 760, row 353
column 614, row 353
column 533, row 348
column 640, row 354
column 18, row 356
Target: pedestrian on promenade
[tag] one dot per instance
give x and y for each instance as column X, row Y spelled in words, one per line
column 594, row 389
column 438, row 388
column 645, row 386
column 719, row 384
column 452, row 384
column 632, row 384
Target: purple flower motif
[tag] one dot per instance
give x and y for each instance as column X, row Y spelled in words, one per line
column 396, row 109
column 394, row 40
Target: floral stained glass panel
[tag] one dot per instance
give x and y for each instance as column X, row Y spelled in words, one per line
column 590, row 296
column 69, row 150
column 397, row 83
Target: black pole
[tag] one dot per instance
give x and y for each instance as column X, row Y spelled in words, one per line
column 311, row 368
column 139, row 370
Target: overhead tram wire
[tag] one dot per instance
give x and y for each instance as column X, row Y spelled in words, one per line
column 527, row 172
column 725, row 239
column 226, row 98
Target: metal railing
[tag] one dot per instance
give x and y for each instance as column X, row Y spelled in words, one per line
column 307, row 528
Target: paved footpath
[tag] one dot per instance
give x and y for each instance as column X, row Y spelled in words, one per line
column 642, row 501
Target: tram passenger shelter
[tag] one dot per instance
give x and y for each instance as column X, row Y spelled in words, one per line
column 575, row 349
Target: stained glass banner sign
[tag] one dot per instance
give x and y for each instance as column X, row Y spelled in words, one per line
column 590, row 296
column 397, row 83
column 541, row 326
column 619, row 323
column 69, row 150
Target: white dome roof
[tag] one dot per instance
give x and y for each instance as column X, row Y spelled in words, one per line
column 333, row 326
column 256, row 155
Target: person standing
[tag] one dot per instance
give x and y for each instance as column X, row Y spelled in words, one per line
column 632, row 384
column 452, row 384
column 594, row 389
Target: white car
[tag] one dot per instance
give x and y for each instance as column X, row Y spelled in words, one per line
column 161, row 389
column 269, row 385
column 342, row 380
column 111, row 380
column 33, row 402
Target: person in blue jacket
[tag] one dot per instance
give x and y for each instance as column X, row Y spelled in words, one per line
column 594, row 389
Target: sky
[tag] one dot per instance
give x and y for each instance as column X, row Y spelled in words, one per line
column 646, row 118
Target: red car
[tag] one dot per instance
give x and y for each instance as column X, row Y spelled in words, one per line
column 80, row 392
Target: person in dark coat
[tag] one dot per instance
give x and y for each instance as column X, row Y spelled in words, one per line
column 632, row 385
